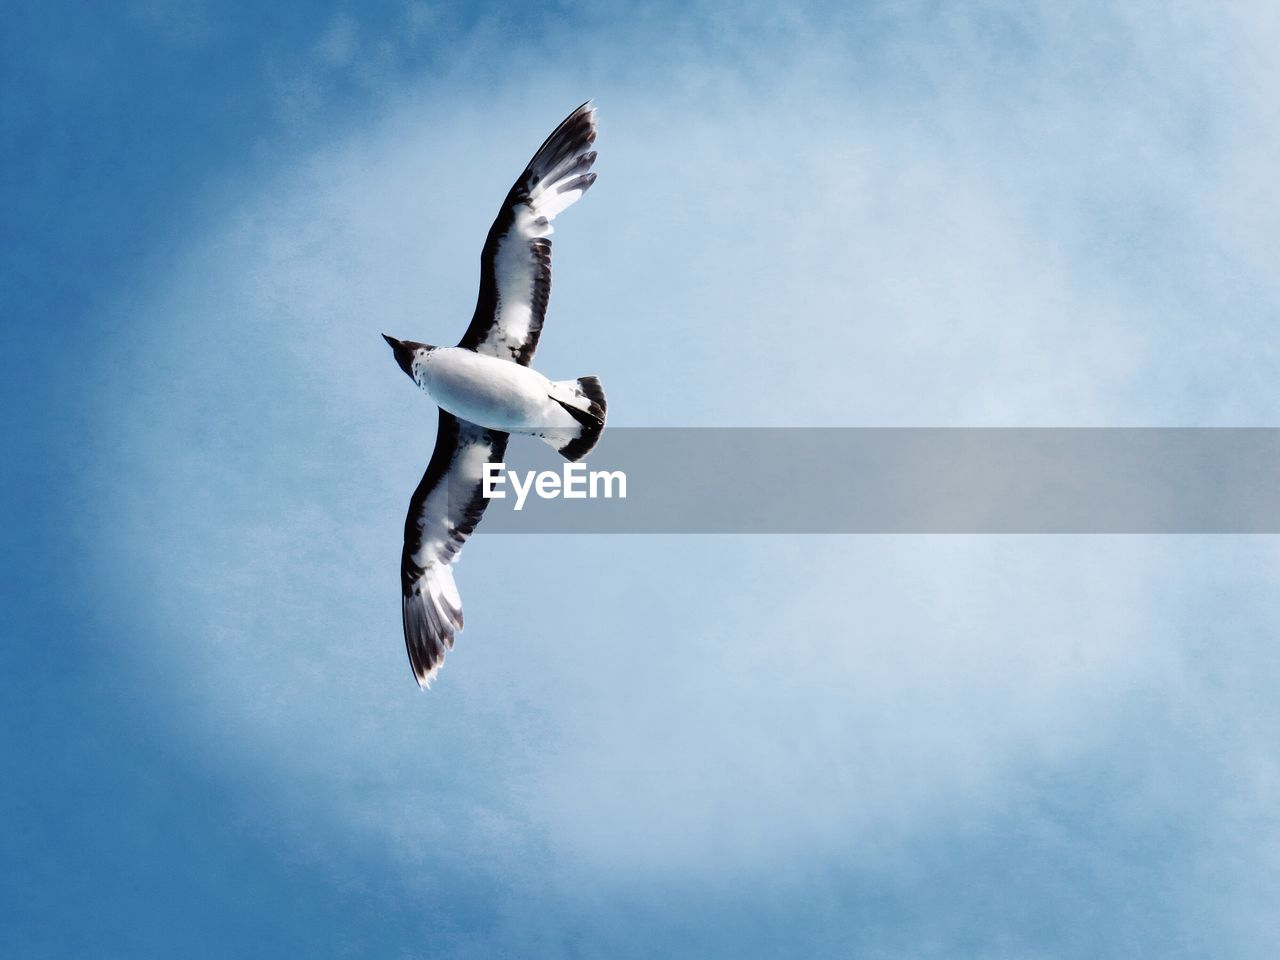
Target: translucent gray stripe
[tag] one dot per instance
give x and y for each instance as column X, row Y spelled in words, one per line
column 760, row 480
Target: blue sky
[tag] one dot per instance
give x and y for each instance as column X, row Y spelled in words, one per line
column 878, row 214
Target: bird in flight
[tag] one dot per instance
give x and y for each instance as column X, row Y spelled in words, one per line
column 486, row 389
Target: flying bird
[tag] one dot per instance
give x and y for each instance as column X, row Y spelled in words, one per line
column 486, row 390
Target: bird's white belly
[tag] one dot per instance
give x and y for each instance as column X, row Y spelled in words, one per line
column 493, row 393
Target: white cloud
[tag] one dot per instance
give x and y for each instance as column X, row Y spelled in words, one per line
column 970, row 240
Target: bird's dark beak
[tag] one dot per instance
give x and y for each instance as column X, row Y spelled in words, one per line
column 404, row 354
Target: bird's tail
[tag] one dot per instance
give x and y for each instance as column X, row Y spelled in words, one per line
column 584, row 401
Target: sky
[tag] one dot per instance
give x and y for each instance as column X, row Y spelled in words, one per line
column 877, row 214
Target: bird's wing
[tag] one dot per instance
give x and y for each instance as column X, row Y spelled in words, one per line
column 515, row 265
column 444, row 510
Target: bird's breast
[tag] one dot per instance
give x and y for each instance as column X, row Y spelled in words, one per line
column 494, row 393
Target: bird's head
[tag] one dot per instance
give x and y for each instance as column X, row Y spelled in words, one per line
column 406, row 352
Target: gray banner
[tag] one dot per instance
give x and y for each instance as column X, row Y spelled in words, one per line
column 761, row 480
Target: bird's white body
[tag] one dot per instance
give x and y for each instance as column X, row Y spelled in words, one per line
column 494, row 393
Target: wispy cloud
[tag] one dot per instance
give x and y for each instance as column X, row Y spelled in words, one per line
column 988, row 216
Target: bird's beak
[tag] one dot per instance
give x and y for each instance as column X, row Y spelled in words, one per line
column 404, row 354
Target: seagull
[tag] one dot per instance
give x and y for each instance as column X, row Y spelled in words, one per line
column 486, row 390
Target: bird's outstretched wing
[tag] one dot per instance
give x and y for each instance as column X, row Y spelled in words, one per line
column 444, row 510
column 515, row 265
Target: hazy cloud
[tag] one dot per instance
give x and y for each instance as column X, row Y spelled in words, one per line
column 994, row 216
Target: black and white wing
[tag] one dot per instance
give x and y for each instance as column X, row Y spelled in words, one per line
column 444, row 510
column 515, row 265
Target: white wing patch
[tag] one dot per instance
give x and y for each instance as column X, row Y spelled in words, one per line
column 446, row 510
column 552, row 199
column 516, row 286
